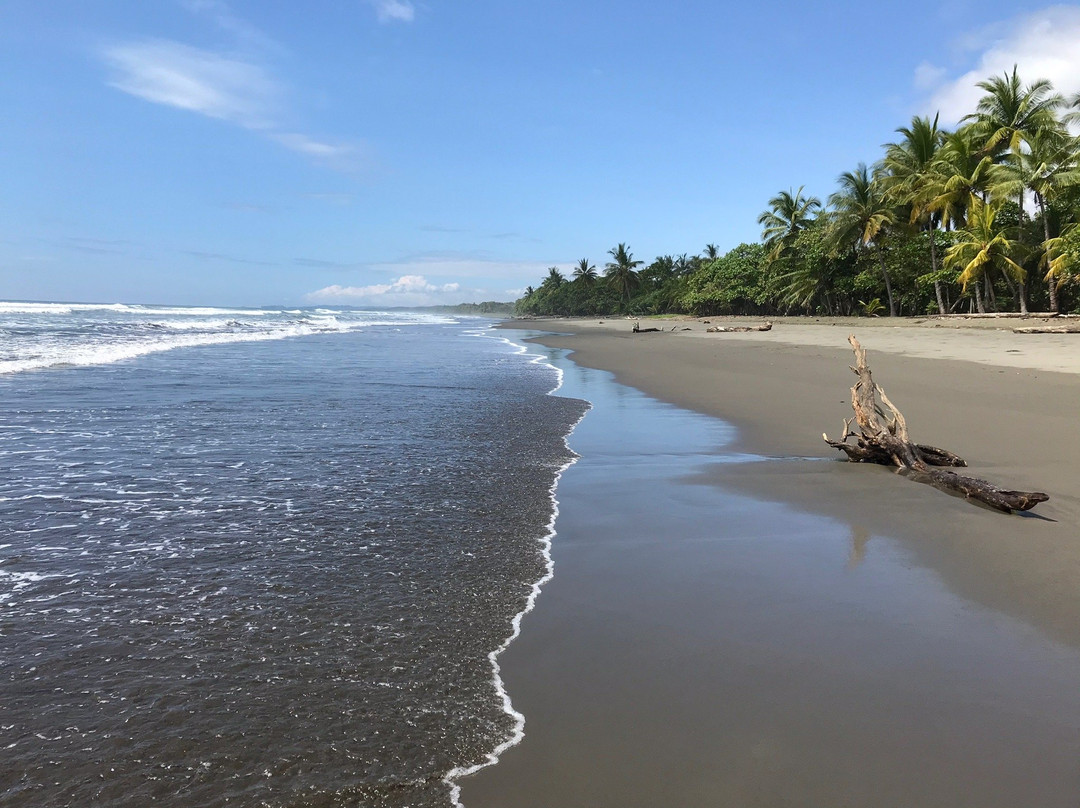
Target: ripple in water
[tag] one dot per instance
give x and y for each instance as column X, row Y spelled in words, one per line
column 267, row 573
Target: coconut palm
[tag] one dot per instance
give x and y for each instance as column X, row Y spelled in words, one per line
column 684, row 265
column 554, row 279
column 863, row 216
column 1061, row 257
column 1072, row 105
column 983, row 246
column 1010, row 114
column 620, row 272
column 1009, row 117
column 960, row 172
column 585, row 273
column 789, row 214
column 911, row 180
column 712, row 252
column 1048, row 169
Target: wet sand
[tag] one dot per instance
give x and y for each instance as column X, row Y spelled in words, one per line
column 799, row 630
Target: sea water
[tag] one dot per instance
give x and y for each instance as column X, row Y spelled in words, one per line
column 263, row 556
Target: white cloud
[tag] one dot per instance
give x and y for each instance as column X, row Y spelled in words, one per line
column 394, row 10
column 927, row 76
column 227, row 88
column 406, row 290
column 417, row 280
column 1043, row 45
column 188, row 78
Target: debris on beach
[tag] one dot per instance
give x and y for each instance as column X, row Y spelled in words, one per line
column 731, row 329
column 883, row 438
column 1048, row 329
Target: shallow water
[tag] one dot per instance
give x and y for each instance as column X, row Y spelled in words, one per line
column 698, row 646
column 268, row 572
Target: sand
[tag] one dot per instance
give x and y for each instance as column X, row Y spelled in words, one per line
column 1009, row 404
column 966, row 670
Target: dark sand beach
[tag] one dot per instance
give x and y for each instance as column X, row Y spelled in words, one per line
column 796, row 630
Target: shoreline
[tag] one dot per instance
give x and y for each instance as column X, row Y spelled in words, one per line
column 455, row 776
column 1016, row 426
column 707, row 639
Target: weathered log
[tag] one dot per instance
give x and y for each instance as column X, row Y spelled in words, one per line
column 998, row 315
column 732, row 329
column 637, row 329
column 1049, row 329
column 883, row 438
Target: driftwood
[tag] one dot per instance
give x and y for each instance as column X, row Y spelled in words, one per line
column 998, row 315
column 1049, row 329
column 731, row 329
column 883, row 438
column 637, row 329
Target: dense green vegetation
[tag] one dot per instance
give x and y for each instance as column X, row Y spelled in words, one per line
column 489, row 308
column 981, row 219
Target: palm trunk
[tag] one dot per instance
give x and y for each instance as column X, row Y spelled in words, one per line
column 979, row 298
column 1051, row 281
column 1022, row 290
column 933, row 265
column 888, row 283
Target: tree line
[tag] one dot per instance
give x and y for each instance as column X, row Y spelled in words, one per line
column 980, row 219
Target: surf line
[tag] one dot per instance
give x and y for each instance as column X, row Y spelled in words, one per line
column 491, row 758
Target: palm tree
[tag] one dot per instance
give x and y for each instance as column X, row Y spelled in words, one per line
column 1048, row 169
column 862, row 217
column 789, row 214
column 554, row 279
column 1062, row 256
column 585, row 273
column 1009, row 117
column 684, row 265
column 712, row 252
column 620, row 272
column 911, row 180
column 983, row 245
column 961, row 172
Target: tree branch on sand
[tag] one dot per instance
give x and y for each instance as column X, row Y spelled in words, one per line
column 883, row 438
column 738, row 329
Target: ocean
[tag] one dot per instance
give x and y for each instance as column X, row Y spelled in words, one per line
column 264, row 556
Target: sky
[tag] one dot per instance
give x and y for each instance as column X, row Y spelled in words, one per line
column 418, row 152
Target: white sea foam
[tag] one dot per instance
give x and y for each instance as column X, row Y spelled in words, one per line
column 454, row 775
column 11, row 307
column 44, row 335
column 16, row 307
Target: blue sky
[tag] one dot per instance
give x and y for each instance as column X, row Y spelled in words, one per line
column 401, row 152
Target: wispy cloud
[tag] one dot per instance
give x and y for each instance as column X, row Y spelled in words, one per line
column 319, row 263
column 435, row 278
column 195, row 80
column 98, row 245
column 320, row 150
column 394, row 10
column 435, row 228
column 1044, row 44
column 228, row 86
column 218, row 12
column 232, row 259
column 406, row 290
column 333, row 197
column 459, row 265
